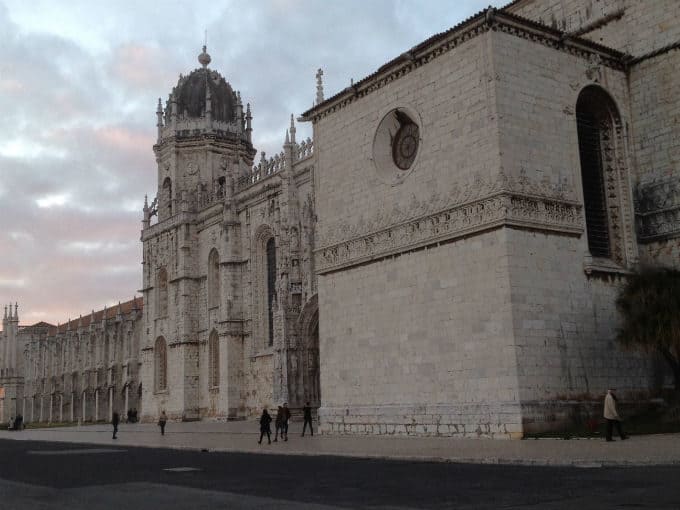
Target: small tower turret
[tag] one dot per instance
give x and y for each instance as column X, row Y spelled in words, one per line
column 159, row 117
column 319, row 86
column 249, row 127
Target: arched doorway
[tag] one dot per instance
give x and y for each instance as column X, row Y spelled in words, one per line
column 310, row 390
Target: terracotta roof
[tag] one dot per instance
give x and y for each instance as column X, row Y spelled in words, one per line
column 37, row 325
column 111, row 313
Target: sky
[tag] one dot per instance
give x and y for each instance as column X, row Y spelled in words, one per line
column 79, row 85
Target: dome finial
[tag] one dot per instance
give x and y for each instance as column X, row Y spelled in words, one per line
column 204, row 58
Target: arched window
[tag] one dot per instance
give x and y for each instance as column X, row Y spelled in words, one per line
column 162, row 293
column 214, row 359
column 107, row 346
column 213, row 279
column 271, row 288
column 167, row 195
column 600, row 144
column 91, row 356
column 128, row 345
column 161, row 364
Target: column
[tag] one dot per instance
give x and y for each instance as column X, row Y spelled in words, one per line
column 110, row 403
column 51, row 405
column 96, row 406
column 84, row 398
column 127, row 399
column 72, row 394
column 61, row 407
column 41, row 408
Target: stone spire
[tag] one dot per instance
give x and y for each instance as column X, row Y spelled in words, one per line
column 319, row 86
column 208, row 105
column 239, row 112
column 159, row 115
column 249, row 127
column 292, row 129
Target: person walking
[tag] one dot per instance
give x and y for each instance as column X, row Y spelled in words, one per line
column 307, row 415
column 162, row 420
column 612, row 416
column 265, row 428
column 115, row 419
column 284, row 421
column 278, row 424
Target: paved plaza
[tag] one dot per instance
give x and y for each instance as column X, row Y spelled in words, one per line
column 242, row 436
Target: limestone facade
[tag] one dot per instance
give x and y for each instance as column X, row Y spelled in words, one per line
column 442, row 259
column 230, row 315
column 474, row 292
column 79, row 371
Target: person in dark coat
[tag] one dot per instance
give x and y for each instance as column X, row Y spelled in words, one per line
column 115, row 419
column 284, row 421
column 162, row 420
column 265, row 421
column 278, row 424
column 307, row 414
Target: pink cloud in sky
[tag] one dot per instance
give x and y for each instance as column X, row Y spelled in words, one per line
column 78, row 93
column 140, row 66
column 126, row 139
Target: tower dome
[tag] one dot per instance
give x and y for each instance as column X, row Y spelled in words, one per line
column 191, row 92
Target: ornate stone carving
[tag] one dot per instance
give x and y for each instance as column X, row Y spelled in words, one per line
column 501, row 208
column 657, row 210
column 459, row 194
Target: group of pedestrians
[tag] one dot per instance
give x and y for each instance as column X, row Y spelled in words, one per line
column 281, row 423
column 282, row 418
column 16, row 423
column 115, row 420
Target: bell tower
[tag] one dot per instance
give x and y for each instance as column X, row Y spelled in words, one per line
column 203, row 147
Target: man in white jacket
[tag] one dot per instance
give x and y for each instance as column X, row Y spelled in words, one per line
column 611, row 415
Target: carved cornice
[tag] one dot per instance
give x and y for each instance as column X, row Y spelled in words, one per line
column 657, row 210
column 169, row 224
column 334, row 229
column 440, row 44
column 500, row 209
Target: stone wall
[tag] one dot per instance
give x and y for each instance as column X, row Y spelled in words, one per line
column 421, row 343
column 631, row 26
column 655, row 110
column 419, row 320
column 564, row 313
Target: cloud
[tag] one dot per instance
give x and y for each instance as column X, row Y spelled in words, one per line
column 78, row 94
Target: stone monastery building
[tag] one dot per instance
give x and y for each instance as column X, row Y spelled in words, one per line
column 443, row 257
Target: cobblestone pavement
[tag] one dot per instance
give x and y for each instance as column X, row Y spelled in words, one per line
column 662, row 449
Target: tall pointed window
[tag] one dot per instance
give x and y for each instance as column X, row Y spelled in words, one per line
column 214, row 359
column 167, row 196
column 161, row 364
column 271, row 288
column 600, row 146
column 162, row 293
column 213, row 279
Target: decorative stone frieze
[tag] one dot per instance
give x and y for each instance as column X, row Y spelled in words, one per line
column 657, row 210
column 467, row 209
column 501, row 209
